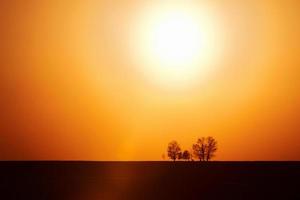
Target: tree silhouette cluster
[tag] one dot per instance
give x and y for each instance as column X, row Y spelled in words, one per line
column 203, row 150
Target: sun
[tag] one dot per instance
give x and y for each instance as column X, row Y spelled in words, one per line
column 175, row 39
column 177, row 44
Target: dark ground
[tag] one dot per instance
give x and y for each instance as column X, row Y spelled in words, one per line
column 149, row 180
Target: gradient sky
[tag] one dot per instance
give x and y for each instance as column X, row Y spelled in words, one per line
column 70, row 88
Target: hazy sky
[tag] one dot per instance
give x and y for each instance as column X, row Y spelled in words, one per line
column 73, row 86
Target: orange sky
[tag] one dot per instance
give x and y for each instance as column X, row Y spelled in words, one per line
column 71, row 90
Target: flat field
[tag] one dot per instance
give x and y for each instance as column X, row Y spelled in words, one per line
column 149, row 180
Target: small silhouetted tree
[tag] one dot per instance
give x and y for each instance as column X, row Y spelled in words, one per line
column 173, row 150
column 186, row 155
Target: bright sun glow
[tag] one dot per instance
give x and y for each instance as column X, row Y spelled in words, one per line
column 176, row 39
column 177, row 44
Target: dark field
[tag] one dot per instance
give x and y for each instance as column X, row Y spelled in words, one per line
column 149, row 180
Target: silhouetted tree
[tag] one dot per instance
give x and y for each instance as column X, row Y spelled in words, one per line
column 186, row 155
column 211, row 148
column 173, row 150
column 199, row 149
column 205, row 148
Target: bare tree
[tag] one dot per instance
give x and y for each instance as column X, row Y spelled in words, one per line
column 205, row 148
column 186, row 155
column 211, row 148
column 173, row 150
column 199, row 149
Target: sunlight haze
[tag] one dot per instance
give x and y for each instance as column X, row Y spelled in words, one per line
column 119, row 80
